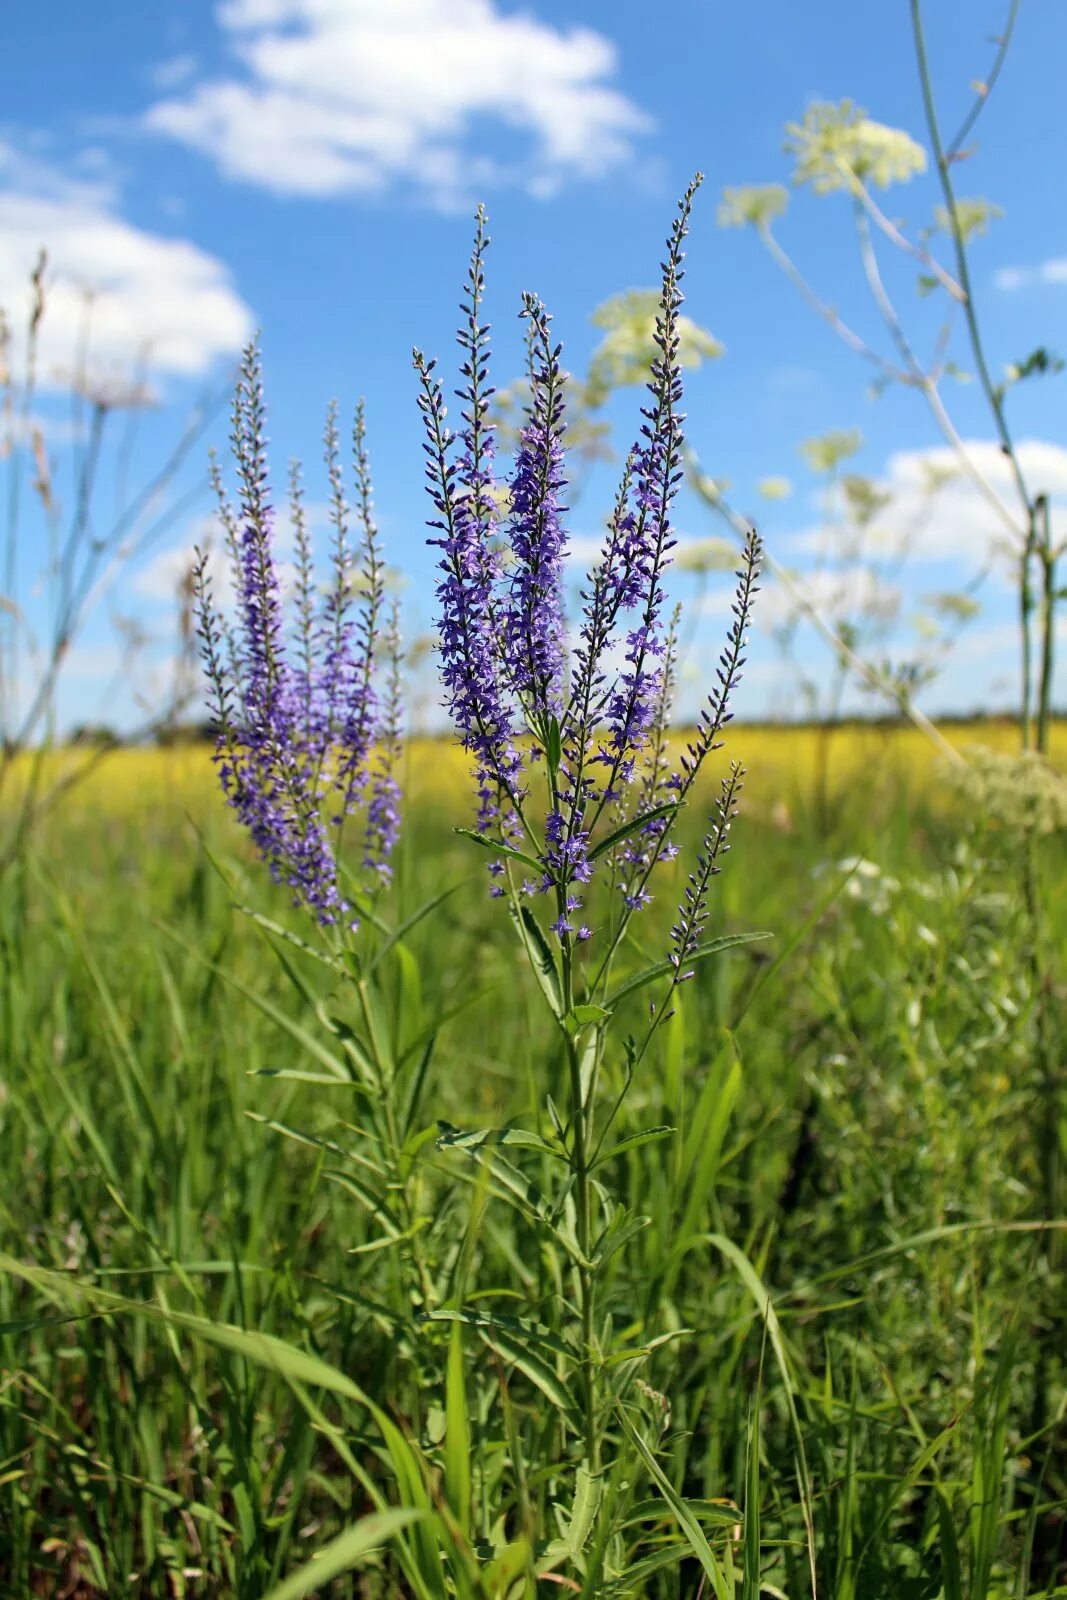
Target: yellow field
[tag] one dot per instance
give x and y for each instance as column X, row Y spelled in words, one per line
column 783, row 764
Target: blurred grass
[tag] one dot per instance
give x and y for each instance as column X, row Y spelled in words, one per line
column 860, row 1114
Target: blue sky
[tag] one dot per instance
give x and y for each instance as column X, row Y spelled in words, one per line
column 309, row 167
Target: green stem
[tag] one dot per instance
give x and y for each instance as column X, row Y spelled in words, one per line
column 409, row 1211
column 586, row 1276
column 994, row 395
column 1026, row 607
column 963, row 274
column 1047, row 557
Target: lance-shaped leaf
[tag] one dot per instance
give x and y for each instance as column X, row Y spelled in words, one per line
column 540, row 954
column 539, row 1371
column 682, row 1511
column 498, row 848
column 662, row 969
column 345, row 1552
column 634, row 1142
column 514, row 1186
column 668, row 809
column 518, row 1327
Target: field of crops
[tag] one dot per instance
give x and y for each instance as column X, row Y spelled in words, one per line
column 241, row 1327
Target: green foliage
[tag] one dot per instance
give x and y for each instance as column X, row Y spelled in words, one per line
column 706, row 555
column 971, row 217
column 626, row 351
column 834, row 145
column 754, row 205
column 1040, row 363
column 775, row 488
column 825, row 452
column 257, row 1341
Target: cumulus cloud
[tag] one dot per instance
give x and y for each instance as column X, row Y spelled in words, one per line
column 346, row 96
column 935, row 512
column 843, row 594
column 161, row 578
column 152, row 297
column 1010, row 279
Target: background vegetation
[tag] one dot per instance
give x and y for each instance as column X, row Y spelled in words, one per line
column 862, row 1136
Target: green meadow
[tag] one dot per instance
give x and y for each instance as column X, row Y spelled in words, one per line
column 246, row 1350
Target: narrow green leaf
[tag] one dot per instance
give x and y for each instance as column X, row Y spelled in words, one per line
column 634, row 1142
column 373, row 1202
column 714, row 947
column 951, row 1564
column 303, row 1038
column 413, row 921
column 586, row 1016
column 754, row 1284
column 620, row 1230
column 682, row 1511
column 268, row 925
column 553, row 746
column 295, row 1075
column 479, row 1139
column 537, row 1369
column 499, row 848
column 901, row 1488
column 287, row 1360
column 514, row 1184
column 669, row 808
column 750, row 1572
column 344, row 1552
column 457, row 1433
column 540, row 954
column 715, row 1512
column 588, row 1493
column 519, row 1327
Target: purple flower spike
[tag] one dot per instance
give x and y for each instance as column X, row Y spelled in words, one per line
column 463, row 494
column 583, row 728
column 295, row 700
column 534, row 613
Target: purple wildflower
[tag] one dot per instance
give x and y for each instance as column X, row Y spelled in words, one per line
column 693, row 912
column 296, row 708
column 383, row 806
column 534, row 614
column 524, row 705
column 463, row 496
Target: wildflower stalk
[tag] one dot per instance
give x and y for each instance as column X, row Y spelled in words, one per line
column 994, row 394
column 570, row 753
column 306, row 701
column 580, row 1165
column 1049, row 595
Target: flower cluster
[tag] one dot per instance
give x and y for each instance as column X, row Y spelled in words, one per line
column 591, row 717
column 693, row 911
column 306, row 730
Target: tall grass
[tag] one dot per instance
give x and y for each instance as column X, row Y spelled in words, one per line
column 834, row 1344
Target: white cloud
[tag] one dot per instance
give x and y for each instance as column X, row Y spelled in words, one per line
column 158, row 299
column 835, row 595
column 161, row 578
column 342, row 96
column 1041, row 461
column 172, row 73
column 937, row 513
column 1053, row 271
